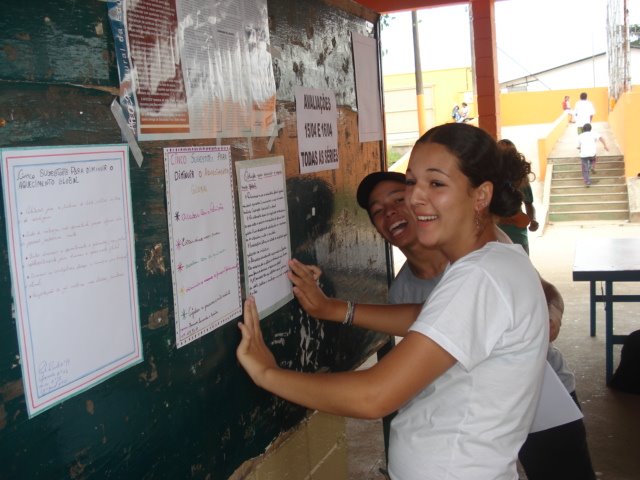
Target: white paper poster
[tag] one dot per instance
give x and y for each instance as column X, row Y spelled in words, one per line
column 194, row 68
column 555, row 405
column 317, row 121
column 365, row 60
column 73, row 274
column 265, row 232
column 203, row 239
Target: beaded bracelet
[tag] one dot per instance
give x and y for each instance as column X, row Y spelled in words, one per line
column 348, row 318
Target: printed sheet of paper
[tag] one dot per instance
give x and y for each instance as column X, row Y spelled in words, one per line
column 204, row 243
column 555, row 405
column 194, row 68
column 317, row 121
column 365, row 60
column 265, row 232
column 72, row 261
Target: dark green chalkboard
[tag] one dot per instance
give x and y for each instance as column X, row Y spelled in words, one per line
column 189, row 412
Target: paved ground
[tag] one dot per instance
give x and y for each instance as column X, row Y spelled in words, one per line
column 612, row 418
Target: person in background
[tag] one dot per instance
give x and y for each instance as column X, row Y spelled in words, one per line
column 583, row 112
column 455, row 113
column 588, row 146
column 466, row 376
column 464, row 113
column 566, row 106
column 560, row 452
column 516, row 226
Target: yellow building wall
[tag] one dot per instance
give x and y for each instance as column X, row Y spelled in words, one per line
column 454, row 86
column 526, row 108
column 624, row 125
column 448, row 88
column 451, row 87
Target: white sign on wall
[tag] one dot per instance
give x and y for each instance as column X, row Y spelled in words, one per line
column 317, row 121
column 264, row 218
column 204, row 245
column 73, row 272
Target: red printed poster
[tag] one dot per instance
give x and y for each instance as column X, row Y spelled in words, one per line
column 197, row 69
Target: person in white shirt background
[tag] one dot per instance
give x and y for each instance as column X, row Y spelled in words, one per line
column 583, row 112
column 588, row 144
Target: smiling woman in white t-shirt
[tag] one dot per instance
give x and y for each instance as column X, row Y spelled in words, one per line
column 467, row 374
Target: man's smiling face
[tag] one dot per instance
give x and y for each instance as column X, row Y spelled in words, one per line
column 390, row 214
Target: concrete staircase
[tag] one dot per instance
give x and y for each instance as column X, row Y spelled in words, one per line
column 605, row 199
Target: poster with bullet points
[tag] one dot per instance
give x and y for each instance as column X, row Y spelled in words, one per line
column 203, row 239
column 72, row 263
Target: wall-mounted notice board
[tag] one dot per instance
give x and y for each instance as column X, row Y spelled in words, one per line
column 188, row 412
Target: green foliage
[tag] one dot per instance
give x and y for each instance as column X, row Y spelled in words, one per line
column 392, row 157
column 384, row 20
column 634, row 35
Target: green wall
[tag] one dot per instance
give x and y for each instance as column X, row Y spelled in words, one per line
column 189, row 412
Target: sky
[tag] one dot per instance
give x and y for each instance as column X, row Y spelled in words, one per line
column 531, row 35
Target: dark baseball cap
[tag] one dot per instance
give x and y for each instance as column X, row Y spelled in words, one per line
column 369, row 182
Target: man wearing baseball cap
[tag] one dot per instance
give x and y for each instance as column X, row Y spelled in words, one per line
column 381, row 194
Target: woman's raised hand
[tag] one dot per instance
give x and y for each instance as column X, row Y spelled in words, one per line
column 252, row 353
column 306, row 289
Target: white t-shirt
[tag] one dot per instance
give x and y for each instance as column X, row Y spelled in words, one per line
column 587, row 142
column 490, row 313
column 583, row 111
column 555, row 405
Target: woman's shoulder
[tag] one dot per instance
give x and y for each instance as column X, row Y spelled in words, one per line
column 497, row 256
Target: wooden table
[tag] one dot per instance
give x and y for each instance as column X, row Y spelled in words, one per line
column 607, row 260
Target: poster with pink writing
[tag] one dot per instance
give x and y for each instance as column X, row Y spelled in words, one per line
column 264, row 218
column 72, row 261
column 203, row 239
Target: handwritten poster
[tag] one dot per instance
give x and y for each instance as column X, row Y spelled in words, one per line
column 203, row 239
column 317, row 121
column 71, row 254
column 265, row 232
